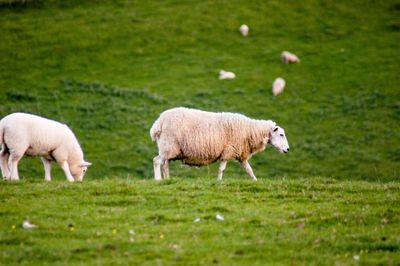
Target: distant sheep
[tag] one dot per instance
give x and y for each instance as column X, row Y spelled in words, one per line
column 26, row 134
column 244, row 30
column 278, row 86
column 289, row 58
column 200, row 138
column 226, row 75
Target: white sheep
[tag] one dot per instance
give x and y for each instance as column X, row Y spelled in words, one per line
column 244, row 30
column 289, row 58
column 26, row 134
column 226, row 75
column 200, row 138
column 277, row 86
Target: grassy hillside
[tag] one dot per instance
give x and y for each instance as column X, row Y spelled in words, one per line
column 108, row 68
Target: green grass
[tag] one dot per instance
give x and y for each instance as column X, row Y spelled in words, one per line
column 108, row 68
column 138, row 222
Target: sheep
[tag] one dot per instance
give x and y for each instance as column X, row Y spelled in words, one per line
column 244, row 30
column 226, row 75
column 277, row 86
column 199, row 138
column 27, row 134
column 289, row 58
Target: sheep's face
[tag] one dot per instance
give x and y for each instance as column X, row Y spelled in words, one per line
column 78, row 171
column 278, row 139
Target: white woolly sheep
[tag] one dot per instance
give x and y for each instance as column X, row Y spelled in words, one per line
column 289, row 58
column 244, row 30
column 200, row 138
column 226, row 75
column 26, row 134
column 277, row 86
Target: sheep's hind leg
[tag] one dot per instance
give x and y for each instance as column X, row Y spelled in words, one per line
column 221, row 169
column 157, row 162
column 248, row 169
column 4, row 163
column 165, row 168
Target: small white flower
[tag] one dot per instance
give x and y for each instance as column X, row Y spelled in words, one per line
column 356, row 257
column 27, row 225
column 219, row 217
column 197, row 220
column 131, row 232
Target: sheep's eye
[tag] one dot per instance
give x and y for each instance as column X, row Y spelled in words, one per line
column 281, row 135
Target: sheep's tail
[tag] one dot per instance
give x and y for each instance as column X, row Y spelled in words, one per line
column 2, row 144
column 1, row 134
column 155, row 130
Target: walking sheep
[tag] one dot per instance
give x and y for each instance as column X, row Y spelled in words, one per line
column 289, row 58
column 244, row 30
column 226, row 75
column 200, row 138
column 277, row 86
column 26, row 134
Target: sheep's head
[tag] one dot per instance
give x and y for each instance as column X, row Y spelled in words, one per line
column 78, row 171
column 277, row 138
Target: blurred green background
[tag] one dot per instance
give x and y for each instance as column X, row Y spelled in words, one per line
column 108, row 68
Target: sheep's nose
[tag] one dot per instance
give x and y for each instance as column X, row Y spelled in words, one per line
column 287, row 149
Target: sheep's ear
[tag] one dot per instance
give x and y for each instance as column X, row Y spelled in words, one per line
column 85, row 164
column 275, row 129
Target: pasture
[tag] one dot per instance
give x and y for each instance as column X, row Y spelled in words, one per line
column 141, row 222
column 108, row 68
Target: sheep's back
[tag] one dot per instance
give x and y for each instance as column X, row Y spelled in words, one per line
column 203, row 137
column 41, row 134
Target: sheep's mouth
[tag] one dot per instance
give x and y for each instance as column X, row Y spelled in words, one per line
column 283, row 151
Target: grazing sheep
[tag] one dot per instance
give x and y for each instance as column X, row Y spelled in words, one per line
column 26, row 134
column 200, row 138
column 277, row 86
column 244, row 30
column 289, row 58
column 226, row 75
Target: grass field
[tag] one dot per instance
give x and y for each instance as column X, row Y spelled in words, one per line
column 108, row 68
column 138, row 222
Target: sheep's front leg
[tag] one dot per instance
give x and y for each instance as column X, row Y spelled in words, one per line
column 221, row 168
column 67, row 172
column 157, row 162
column 13, row 165
column 47, row 169
column 248, row 169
